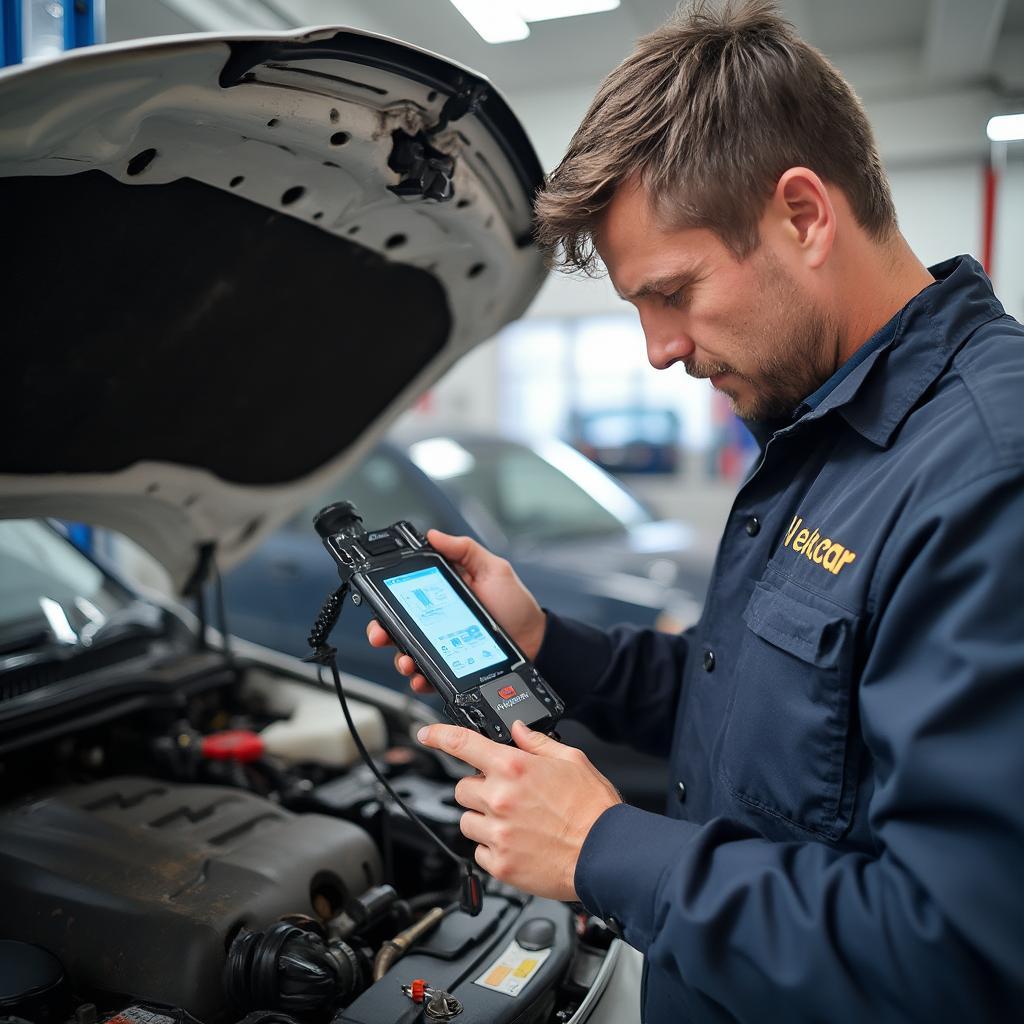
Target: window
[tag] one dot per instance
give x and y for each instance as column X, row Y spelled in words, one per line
column 49, row 589
column 383, row 492
column 534, row 494
column 556, row 370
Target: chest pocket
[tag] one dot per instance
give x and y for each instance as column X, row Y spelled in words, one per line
column 786, row 748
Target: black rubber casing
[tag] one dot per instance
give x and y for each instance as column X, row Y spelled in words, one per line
column 489, row 700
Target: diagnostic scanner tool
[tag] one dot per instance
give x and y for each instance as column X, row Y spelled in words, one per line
column 484, row 678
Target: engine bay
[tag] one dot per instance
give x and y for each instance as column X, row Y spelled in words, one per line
column 221, row 855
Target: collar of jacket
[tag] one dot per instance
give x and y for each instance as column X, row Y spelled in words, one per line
column 880, row 393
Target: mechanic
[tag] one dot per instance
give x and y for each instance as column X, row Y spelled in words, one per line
column 844, row 838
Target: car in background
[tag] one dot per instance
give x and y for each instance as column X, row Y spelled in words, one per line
column 581, row 541
column 632, row 440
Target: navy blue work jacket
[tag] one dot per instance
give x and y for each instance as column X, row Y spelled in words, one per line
column 844, row 839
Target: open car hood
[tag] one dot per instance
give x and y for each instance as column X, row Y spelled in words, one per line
column 236, row 261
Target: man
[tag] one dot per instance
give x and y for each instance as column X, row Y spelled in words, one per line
column 844, row 840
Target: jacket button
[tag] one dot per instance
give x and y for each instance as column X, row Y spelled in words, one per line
column 709, row 661
column 614, row 925
column 680, row 791
column 753, row 526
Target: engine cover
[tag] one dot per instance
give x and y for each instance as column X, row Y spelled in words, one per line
column 137, row 885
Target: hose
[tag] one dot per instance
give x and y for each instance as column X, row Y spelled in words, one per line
column 394, row 949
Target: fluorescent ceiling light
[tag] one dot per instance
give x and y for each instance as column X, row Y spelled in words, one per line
column 1006, row 128
column 441, row 458
column 228, row 15
column 496, row 21
column 503, row 21
column 544, row 10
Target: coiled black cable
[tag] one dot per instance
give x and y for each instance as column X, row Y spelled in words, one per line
column 471, row 900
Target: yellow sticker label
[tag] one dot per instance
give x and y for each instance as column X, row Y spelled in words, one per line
column 497, row 976
column 511, row 972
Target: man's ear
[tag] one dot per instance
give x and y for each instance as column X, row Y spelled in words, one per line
column 804, row 215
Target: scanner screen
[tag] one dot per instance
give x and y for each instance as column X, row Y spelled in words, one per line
column 447, row 622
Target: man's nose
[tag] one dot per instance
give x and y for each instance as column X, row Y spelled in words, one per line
column 666, row 344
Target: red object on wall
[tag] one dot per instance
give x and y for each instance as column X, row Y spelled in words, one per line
column 989, row 217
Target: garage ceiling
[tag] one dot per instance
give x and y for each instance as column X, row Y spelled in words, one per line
column 952, row 41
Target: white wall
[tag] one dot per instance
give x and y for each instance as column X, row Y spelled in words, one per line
column 1009, row 236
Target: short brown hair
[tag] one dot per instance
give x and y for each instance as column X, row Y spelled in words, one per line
column 708, row 112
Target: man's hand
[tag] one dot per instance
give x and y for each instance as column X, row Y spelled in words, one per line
column 530, row 809
column 497, row 586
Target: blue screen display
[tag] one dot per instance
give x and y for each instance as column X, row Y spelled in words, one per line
column 446, row 621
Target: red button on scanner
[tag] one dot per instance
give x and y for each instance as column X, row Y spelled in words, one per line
column 507, row 692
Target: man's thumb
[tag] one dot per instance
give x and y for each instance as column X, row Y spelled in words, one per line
column 534, row 742
column 463, row 551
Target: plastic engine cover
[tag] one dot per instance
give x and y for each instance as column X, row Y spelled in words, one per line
column 497, row 979
column 137, row 884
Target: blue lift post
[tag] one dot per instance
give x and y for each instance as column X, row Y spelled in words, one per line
column 10, row 32
column 82, row 24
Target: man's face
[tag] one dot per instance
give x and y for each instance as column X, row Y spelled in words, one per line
column 747, row 325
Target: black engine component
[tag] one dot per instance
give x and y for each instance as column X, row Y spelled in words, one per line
column 287, row 968
column 139, row 884
column 32, row 983
column 425, row 171
column 268, row 1017
column 142, row 1013
column 479, row 962
column 363, row 912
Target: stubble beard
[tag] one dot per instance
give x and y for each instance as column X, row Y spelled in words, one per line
column 791, row 359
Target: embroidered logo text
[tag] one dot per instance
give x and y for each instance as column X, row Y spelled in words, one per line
column 823, row 551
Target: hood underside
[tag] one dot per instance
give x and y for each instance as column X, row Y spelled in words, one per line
column 238, row 261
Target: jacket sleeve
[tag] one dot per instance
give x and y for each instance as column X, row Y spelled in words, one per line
column 927, row 926
column 624, row 683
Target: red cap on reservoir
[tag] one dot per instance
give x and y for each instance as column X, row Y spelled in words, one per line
column 233, row 745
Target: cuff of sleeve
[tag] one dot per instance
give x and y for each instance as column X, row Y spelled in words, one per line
column 620, row 868
column 572, row 657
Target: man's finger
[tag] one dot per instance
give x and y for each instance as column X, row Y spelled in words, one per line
column 377, row 635
column 468, row 792
column 475, row 826
column 538, row 743
column 404, row 664
column 483, row 856
column 463, row 551
column 420, row 685
column 464, row 744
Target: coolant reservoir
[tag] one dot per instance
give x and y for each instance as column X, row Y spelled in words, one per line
column 312, row 727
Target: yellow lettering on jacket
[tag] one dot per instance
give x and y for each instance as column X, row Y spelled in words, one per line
column 823, row 551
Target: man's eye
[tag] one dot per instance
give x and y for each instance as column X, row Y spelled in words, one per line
column 675, row 298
